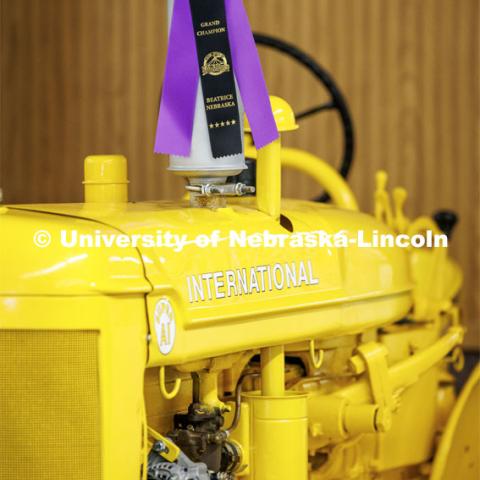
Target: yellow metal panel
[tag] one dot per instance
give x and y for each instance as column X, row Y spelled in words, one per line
column 28, row 269
column 416, row 412
column 122, row 332
column 458, row 455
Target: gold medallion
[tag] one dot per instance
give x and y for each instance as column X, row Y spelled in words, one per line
column 215, row 63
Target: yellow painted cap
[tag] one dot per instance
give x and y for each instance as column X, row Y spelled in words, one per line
column 282, row 113
column 105, row 169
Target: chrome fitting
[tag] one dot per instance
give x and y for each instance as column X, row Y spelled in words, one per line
column 226, row 190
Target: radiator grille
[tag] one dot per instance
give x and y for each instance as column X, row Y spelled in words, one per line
column 49, row 405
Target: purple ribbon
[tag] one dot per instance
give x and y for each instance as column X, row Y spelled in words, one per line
column 177, row 107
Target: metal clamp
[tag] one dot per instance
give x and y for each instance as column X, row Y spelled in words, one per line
column 229, row 189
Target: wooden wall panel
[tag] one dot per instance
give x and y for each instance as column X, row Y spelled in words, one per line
column 80, row 77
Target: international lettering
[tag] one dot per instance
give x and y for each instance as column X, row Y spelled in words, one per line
column 251, row 280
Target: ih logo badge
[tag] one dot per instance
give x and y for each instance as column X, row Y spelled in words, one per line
column 215, row 63
column 165, row 327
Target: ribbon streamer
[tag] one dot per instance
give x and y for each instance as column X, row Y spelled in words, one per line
column 217, row 77
column 177, row 108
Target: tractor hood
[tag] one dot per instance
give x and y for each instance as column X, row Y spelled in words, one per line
column 209, row 285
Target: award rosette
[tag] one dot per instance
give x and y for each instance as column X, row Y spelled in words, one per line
column 211, row 41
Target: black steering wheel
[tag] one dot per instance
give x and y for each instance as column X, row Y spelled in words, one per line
column 337, row 101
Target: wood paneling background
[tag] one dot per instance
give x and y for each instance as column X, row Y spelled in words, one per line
column 81, row 77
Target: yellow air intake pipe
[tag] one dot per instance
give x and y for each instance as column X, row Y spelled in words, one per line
column 269, row 166
column 273, row 371
column 272, row 157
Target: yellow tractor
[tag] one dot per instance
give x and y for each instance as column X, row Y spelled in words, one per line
column 205, row 338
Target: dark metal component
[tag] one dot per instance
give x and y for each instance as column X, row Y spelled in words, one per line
column 195, row 388
column 337, row 99
column 198, row 434
column 231, row 457
column 446, row 221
